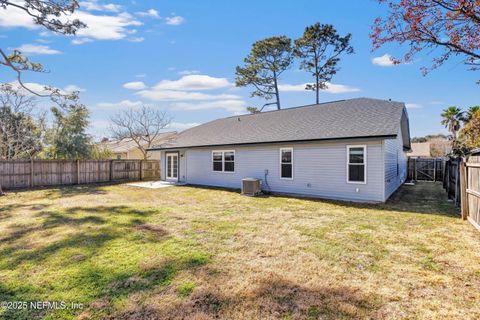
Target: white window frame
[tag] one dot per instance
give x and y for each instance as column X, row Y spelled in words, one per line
column 223, row 161
column 167, row 169
column 364, row 146
column 280, row 161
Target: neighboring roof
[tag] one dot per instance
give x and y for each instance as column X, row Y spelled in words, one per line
column 354, row 118
column 474, row 152
column 420, row 149
column 127, row 144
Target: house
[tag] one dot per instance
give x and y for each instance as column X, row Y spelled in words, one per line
column 434, row 148
column 350, row 150
column 128, row 149
column 420, row 150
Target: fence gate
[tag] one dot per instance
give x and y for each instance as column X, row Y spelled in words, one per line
column 470, row 189
column 425, row 169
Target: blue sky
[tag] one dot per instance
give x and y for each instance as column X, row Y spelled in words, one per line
column 180, row 56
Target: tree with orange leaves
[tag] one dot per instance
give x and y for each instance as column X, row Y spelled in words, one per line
column 444, row 28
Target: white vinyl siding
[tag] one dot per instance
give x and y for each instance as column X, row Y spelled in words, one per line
column 319, row 169
column 395, row 165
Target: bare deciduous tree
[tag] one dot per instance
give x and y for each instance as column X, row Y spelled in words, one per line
column 20, row 130
column 143, row 126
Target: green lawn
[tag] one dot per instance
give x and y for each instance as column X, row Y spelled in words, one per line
column 198, row 253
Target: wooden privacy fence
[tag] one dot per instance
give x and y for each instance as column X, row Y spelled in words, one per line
column 470, row 189
column 425, row 169
column 451, row 182
column 16, row 174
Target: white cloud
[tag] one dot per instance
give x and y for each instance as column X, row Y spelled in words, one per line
column 136, row 39
column 99, row 27
column 331, row 88
column 149, row 13
column 31, row 49
column 140, row 75
column 105, row 27
column 188, row 72
column 120, row 104
column 15, row 17
column 135, row 85
column 175, row 20
column 81, row 41
column 193, row 82
column 44, row 41
column 112, row 7
column 182, row 125
column 40, row 88
column 183, row 89
column 172, row 95
column 93, row 5
column 384, row 61
column 33, row 86
column 73, row 87
column 413, row 106
column 235, row 106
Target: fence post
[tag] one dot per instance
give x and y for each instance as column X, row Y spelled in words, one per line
column 111, row 170
column 78, row 171
column 141, row 169
column 31, row 172
column 463, row 189
column 415, row 169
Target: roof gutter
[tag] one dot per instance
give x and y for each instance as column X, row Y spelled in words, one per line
column 392, row 136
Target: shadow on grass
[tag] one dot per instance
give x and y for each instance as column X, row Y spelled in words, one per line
column 91, row 241
column 102, row 286
column 424, row 197
column 66, row 217
column 69, row 191
column 19, row 293
column 111, row 222
column 271, row 299
column 56, row 192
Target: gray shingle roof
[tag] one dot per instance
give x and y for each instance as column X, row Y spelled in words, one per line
column 127, row 144
column 360, row 117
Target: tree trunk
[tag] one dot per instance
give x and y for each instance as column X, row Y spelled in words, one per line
column 277, row 95
column 317, row 85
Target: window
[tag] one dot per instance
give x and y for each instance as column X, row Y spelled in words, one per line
column 286, row 163
column 223, row 161
column 356, row 164
column 217, row 161
column 229, row 161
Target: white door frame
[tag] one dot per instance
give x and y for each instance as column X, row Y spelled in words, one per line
column 169, row 171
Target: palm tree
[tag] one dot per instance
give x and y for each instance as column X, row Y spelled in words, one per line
column 470, row 112
column 452, row 116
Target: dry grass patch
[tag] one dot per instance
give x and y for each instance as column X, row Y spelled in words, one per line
column 203, row 253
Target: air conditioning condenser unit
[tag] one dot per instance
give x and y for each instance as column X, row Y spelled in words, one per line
column 251, row 186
